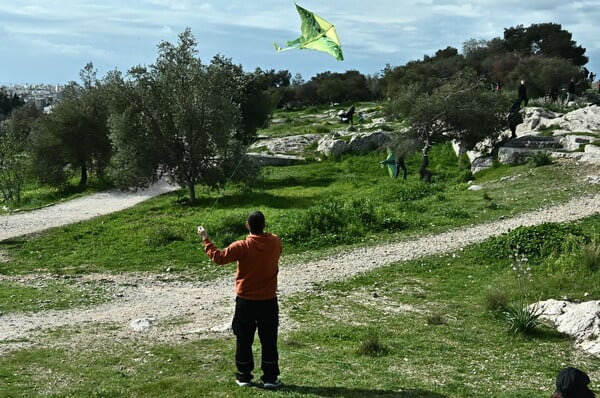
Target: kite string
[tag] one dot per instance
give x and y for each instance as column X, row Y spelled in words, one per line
column 228, row 179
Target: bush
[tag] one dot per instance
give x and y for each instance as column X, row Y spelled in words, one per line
column 414, row 191
column 437, row 319
column 322, row 130
column 496, row 301
column 591, row 256
column 538, row 159
column 231, row 227
column 336, row 221
column 162, row 236
column 520, row 318
column 534, row 242
column 372, row 346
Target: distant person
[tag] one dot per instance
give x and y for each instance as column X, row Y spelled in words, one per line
column 571, row 91
column 585, row 73
column 523, row 94
column 401, row 165
column 348, row 117
column 514, row 118
column 499, row 86
column 554, row 94
column 256, row 306
column 572, row 383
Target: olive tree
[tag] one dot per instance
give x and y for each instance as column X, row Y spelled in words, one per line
column 179, row 118
column 14, row 156
column 463, row 109
column 74, row 135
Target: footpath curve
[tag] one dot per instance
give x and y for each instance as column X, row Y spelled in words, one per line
column 76, row 210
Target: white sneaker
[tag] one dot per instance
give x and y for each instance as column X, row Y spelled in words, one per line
column 243, row 383
column 274, row 385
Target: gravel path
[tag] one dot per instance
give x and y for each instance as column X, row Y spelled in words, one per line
column 83, row 208
column 163, row 308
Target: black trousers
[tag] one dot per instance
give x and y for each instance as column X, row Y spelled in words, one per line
column 250, row 316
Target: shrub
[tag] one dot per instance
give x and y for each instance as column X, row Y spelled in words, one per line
column 162, row 236
column 538, row 159
column 533, row 242
column 496, row 301
column 328, row 217
column 322, row 130
column 520, row 318
column 465, row 176
column 436, row 319
column 591, row 256
column 372, row 346
column 393, row 224
column 414, row 191
column 337, row 221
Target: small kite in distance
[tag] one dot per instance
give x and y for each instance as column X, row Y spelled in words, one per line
column 317, row 34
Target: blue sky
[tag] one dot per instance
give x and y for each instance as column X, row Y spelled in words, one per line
column 50, row 41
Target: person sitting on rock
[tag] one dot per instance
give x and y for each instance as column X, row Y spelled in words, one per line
column 347, row 117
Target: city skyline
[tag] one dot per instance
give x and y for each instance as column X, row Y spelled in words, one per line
column 50, row 42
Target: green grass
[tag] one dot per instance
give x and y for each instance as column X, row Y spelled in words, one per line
column 35, row 195
column 431, row 327
column 334, row 203
column 38, row 295
column 371, row 335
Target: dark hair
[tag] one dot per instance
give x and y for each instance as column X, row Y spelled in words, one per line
column 572, row 383
column 256, row 222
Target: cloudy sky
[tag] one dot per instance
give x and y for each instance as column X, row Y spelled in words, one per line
column 50, row 41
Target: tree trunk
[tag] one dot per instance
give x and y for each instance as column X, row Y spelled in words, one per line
column 425, row 174
column 84, row 175
column 192, row 191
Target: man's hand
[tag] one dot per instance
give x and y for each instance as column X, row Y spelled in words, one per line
column 202, row 232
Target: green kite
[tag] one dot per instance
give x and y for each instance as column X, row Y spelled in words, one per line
column 317, row 34
column 391, row 164
column 394, row 164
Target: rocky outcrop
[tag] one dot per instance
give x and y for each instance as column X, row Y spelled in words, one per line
column 293, row 144
column 338, row 144
column 578, row 320
column 519, row 150
column 332, row 145
column 367, row 142
column 574, row 135
column 265, row 159
column 329, row 145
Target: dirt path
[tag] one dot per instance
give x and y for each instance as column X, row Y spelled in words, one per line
column 157, row 306
column 75, row 210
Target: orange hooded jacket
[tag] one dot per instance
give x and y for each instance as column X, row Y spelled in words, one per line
column 257, row 264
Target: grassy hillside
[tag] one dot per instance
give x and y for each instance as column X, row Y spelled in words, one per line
column 433, row 327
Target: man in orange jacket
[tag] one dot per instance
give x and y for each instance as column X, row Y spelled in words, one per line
column 256, row 305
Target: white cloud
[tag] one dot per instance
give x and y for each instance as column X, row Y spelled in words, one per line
column 125, row 33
